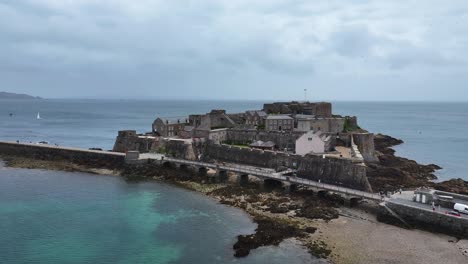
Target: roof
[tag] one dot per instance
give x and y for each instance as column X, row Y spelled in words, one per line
column 268, row 144
column 324, row 137
column 258, row 112
column 304, row 116
column 188, row 128
column 279, row 117
column 169, row 122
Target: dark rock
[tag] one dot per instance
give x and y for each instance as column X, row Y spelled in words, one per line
column 310, row 229
column 269, row 232
column 454, row 185
column 392, row 172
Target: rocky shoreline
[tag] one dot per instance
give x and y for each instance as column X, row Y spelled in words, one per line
column 393, row 172
column 279, row 215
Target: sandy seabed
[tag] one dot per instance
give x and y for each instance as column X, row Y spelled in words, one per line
column 355, row 237
column 358, row 237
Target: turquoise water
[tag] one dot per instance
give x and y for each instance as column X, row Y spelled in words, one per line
column 59, row 217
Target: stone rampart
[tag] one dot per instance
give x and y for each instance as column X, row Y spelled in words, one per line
column 365, row 143
column 338, row 171
column 129, row 140
column 283, row 140
column 90, row 158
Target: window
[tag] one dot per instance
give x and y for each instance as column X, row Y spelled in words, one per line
column 310, row 139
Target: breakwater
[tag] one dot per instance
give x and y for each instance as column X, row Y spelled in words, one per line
column 423, row 218
column 90, row 158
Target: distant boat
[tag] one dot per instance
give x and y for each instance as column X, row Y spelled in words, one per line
column 38, row 115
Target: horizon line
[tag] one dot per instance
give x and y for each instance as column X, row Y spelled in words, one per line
column 252, row 100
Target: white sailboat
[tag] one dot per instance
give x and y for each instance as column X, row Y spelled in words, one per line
column 38, row 115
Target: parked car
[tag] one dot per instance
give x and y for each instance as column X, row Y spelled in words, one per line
column 462, row 208
column 453, row 213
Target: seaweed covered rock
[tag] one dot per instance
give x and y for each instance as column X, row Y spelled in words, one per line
column 269, row 232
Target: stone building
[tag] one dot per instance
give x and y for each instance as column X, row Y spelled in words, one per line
column 269, row 145
column 214, row 120
column 313, row 142
column 305, row 123
column 279, row 123
column 319, row 109
column 166, row 128
column 255, row 118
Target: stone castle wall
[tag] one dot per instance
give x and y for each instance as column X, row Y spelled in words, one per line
column 365, row 143
column 337, row 171
column 128, row 140
column 282, row 140
column 321, row 109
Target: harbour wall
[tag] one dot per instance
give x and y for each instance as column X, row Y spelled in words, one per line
column 90, row 158
column 426, row 219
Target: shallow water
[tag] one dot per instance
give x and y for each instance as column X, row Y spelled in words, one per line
column 61, row 217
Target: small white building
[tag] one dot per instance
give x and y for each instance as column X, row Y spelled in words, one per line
column 313, row 142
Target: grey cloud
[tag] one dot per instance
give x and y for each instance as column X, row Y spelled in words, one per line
column 353, row 41
column 241, row 46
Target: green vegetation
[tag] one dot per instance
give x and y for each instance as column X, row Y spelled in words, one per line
column 237, row 144
column 162, row 150
column 347, row 127
column 261, row 127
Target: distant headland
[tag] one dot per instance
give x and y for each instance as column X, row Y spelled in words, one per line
column 6, row 95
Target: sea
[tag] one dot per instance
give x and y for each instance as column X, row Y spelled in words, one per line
column 62, row 217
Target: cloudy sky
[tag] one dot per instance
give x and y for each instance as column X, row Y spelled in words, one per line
column 242, row 49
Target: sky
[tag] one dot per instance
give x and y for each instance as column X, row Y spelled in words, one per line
column 399, row 50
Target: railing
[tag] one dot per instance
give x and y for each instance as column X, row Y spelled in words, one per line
column 262, row 172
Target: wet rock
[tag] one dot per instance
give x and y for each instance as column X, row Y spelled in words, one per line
column 269, row 232
column 393, row 172
column 454, row 185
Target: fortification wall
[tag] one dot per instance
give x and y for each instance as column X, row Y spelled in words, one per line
column 426, row 219
column 218, row 135
column 365, row 143
column 95, row 159
column 282, row 140
column 337, row 171
column 128, row 140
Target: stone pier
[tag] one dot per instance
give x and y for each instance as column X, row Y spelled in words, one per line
column 242, row 179
column 289, row 187
column 202, row 171
column 221, row 176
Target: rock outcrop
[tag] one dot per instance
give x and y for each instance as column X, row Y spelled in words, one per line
column 392, row 172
